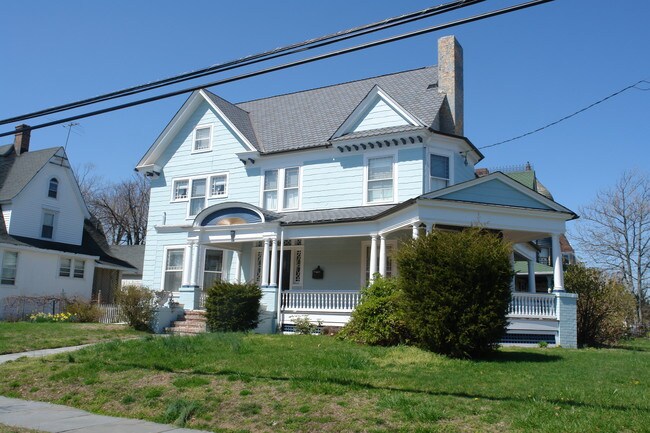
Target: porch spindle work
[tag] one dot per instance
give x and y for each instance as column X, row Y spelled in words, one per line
column 533, row 306
column 320, row 300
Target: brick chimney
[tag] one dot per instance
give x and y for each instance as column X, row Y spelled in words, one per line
column 21, row 139
column 450, row 82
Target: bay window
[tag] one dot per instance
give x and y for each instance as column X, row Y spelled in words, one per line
column 438, row 172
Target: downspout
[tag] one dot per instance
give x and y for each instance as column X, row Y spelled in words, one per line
column 279, row 296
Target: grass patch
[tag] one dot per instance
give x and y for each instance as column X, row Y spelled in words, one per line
column 24, row 336
column 9, row 429
column 277, row 383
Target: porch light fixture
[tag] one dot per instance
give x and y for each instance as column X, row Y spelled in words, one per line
column 232, row 236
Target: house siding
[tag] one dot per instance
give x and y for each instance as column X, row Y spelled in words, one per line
column 340, row 260
column 380, row 115
column 409, row 172
column 333, row 182
column 495, row 192
column 462, row 172
column 27, row 215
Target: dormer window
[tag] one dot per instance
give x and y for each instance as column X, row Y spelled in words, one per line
column 202, row 141
column 53, row 188
column 439, row 172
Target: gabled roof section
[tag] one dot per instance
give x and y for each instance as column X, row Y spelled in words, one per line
column 497, row 189
column 376, row 107
column 309, row 118
column 17, row 171
column 224, row 110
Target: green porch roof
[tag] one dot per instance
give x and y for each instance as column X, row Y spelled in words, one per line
column 521, row 268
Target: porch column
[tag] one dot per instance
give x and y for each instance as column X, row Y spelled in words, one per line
column 238, row 274
column 531, row 277
column 512, row 266
column 195, row 264
column 416, row 230
column 187, row 265
column 373, row 257
column 382, row 256
column 558, row 273
column 265, row 264
column 274, row 263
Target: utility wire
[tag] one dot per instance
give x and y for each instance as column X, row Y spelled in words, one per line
column 294, row 63
column 582, row 110
column 256, row 58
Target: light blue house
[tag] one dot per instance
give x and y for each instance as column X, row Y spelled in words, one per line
column 309, row 193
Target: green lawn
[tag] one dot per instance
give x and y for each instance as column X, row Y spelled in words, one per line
column 23, row 336
column 9, row 429
column 263, row 383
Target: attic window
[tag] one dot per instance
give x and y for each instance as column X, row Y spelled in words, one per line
column 202, row 140
column 53, row 189
column 432, row 86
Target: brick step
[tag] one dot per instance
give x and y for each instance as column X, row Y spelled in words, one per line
column 188, row 325
column 184, row 329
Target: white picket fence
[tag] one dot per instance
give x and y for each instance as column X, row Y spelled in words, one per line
column 110, row 313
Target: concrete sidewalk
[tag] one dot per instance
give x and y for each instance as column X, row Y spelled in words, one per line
column 39, row 353
column 56, row 418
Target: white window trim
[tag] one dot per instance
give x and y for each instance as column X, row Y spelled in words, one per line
column 225, row 191
column 2, row 258
column 209, row 148
column 54, row 221
column 280, row 189
column 164, row 264
column 366, row 160
column 427, row 164
column 208, row 189
column 73, row 260
column 364, row 257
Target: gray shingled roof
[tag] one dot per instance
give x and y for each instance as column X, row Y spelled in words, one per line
column 133, row 254
column 237, row 116
column 309, row 118
column 380, row 131
column 359, row 213
column 17, row 171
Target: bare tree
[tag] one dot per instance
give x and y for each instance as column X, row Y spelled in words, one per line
column 615, row 233
column 122, row 208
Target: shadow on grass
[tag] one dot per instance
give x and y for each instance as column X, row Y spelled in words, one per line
column 512, row 356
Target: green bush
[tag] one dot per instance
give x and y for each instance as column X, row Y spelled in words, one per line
column 606, row 309
column 304, row 326
column 379, row 318
column 232, row 307
column 137, row 306
column 83, row 312
column 456, row 290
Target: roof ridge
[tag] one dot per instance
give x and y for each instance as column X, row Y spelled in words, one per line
column 333, row 85
column 226, row 101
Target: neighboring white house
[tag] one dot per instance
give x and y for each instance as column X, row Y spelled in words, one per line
column 309, row 193
column 49, row 246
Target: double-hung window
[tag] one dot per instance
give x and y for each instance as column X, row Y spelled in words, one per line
column 271, row 190
column 173, row 270
column 181, row 188
column 72, row 268
column 47, row 229
column 380, row 181
column 197, row 199
column 291, row 188
column 281, row 189
column 202, row 139
column 438, row 172
column 53, row 188
column 79, row 267
column 65, row 267
column 9, row 266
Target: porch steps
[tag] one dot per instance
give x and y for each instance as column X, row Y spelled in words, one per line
column 193, row 322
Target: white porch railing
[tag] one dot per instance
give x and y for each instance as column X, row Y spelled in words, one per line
column 341, row 301
column 533, row 305
column 523, row 305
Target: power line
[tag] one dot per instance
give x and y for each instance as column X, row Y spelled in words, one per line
column 582, row 110
column 255, row 58
column 294, row 63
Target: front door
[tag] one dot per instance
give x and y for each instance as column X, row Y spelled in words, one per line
column 286, row 270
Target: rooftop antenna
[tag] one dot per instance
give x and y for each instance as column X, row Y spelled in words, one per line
column 69, row 126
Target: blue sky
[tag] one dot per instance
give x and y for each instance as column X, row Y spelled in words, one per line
column 522, row 71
